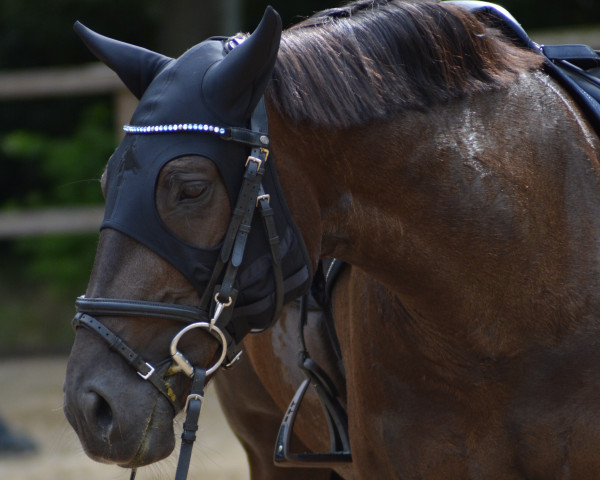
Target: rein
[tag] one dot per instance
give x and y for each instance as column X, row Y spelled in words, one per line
column 218, row 299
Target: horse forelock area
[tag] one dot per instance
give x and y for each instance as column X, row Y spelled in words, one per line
column 370, row 60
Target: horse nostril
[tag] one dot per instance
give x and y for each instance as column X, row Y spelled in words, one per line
column 103, row 414
column 99, row 414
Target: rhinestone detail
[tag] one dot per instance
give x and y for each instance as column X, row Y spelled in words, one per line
column 186, row 127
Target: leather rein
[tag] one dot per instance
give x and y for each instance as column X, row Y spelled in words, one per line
column 216, row 305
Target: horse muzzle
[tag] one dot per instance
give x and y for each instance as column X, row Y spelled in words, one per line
column 114, row 425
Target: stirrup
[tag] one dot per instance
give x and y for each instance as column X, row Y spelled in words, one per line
column 338, row 434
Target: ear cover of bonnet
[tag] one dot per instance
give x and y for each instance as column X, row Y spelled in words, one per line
column 206, row 85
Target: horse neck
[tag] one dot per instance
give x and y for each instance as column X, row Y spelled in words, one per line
column 442, row 208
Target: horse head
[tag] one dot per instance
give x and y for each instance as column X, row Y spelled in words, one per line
column 179, row 231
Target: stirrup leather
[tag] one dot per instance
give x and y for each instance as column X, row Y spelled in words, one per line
column 335, row 414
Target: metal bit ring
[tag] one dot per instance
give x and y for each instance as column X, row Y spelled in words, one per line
column 183, row 364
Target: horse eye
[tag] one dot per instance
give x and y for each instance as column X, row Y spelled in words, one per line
column 191, row 190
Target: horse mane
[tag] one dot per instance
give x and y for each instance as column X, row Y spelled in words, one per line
column 372, row 59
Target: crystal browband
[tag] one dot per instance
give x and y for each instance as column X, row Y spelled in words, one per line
column 237, row 134
column 189, row 127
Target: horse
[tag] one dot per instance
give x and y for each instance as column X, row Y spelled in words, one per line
column 415, row 142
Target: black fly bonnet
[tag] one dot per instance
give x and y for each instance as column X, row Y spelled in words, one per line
column 208, row 102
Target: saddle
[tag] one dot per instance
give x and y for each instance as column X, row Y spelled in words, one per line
column 575, row 67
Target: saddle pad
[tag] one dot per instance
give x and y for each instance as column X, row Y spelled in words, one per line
column 575, row 67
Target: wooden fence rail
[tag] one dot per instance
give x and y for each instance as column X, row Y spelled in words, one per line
column 48, row 221
column 88, row 79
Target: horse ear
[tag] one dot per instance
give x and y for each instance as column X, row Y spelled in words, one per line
column 235, row 85
column 136, row 66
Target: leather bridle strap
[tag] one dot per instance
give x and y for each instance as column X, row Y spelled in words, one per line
column 139, row 308
column 240, row 225
column 260, row 123
column 97, row 307
column 190, row 426
column 155, row 375
column 193, row 407
column 274, row 242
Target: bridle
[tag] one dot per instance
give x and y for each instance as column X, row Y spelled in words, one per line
column 215, row 309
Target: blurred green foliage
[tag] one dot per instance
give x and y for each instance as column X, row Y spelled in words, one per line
column 42, row 275
column 69, row 172
column 52, row 153
column 62, row 170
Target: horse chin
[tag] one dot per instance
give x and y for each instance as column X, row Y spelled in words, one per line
column 157, row 442
column 133, row 448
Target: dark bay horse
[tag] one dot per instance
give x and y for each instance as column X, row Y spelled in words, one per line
column 459, row 182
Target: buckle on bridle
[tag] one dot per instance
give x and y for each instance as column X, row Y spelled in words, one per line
column 192, row 396
column 146, row 376
column 255, row 160
column 266, row 197
column 265, row 152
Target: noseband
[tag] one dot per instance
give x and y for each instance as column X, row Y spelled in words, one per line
column 215, row 309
